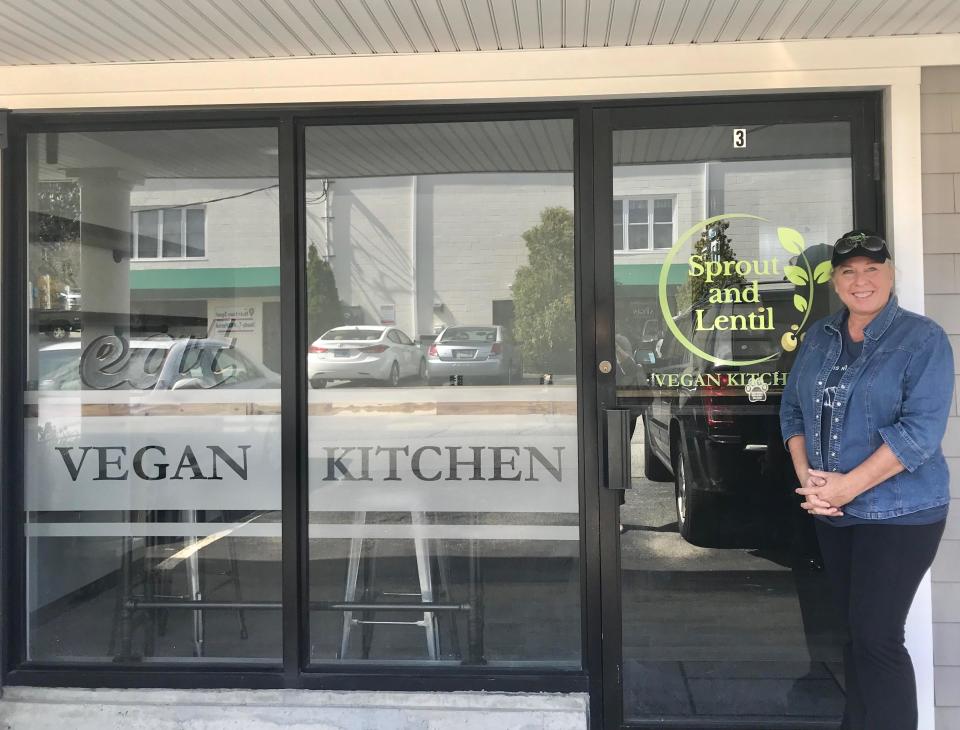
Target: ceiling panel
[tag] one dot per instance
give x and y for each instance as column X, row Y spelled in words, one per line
column 317, row 26
column 648, row 13
column 847, row 18
column 690, row 21
column 18, row 44
column 218, row 14
column 881, row 15
column 401, row 38
column 133, row 24
column 813, row 14
column 505, row 11
column 714, row 19
column 488, row 33
column 757, row 25
column 552, row 20
column 528, row 14
column 599, row 23
column 933, row 11
column 574, row 21
column 456, row 25
column 99, row 31
column 786, row 18
column 620, row 21
column 351, row 25
column 945, row 21
column 671, row 13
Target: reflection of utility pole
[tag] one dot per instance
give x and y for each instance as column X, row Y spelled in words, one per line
column 49, row 299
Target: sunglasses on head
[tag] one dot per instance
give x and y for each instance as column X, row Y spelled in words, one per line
column 859, row 240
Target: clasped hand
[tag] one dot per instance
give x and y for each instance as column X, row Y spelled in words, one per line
column 824, row 492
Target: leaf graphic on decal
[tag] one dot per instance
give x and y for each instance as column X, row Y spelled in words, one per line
column 800, row 302
column 822, row 272
column 796, row 275
column 790, row 240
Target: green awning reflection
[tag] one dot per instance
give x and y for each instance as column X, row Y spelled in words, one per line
column 647, row 274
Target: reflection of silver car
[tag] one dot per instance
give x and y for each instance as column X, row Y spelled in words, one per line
column 159, row 363
column 473, row 352
column 364, row 353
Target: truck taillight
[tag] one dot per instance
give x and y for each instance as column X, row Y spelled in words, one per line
column 713, row 399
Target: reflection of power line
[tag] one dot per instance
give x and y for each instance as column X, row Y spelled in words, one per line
column 217, row 200
column 322, row 195
column 308, row 201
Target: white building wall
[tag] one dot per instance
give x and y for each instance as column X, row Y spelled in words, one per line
column 940, row 153
column 471, row 230
column 814, row 197
column 370, row 244
column 439, row 248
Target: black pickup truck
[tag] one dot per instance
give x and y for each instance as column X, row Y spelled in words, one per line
column 57, row 324
column 714, row 429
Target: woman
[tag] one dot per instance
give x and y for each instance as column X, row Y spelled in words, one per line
column 863, row 414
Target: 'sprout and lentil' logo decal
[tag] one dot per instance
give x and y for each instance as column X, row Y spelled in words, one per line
column 801, row 274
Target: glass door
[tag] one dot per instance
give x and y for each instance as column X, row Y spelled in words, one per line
column 715, row 223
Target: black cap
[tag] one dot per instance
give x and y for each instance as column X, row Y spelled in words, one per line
column 859, row 242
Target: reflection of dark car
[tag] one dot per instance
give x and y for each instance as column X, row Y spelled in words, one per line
column 714, row 429
column 157, row 363
column 56, row 324
column 474, row 352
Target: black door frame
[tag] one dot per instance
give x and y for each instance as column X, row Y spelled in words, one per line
column 863, row 112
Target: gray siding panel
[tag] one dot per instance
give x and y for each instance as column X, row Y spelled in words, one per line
column 940, row 154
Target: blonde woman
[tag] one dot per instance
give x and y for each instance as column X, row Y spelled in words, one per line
column 863, row 415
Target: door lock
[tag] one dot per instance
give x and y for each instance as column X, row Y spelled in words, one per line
column 605, row 367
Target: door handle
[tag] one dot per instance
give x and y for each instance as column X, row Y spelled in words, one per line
column 618, row 449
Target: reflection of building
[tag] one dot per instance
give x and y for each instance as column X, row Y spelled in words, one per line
column 398, row 243
column 194, row 254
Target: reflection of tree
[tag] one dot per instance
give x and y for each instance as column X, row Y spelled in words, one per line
column 54, row 260
column 323, row 301
column 543, row 294
column 713, row 245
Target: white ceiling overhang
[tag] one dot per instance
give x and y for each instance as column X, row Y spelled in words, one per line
column 43, row 32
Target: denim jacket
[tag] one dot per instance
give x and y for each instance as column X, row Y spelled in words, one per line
column 899, row 392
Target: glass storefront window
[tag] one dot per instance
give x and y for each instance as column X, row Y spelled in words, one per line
column 152, row 401
column 442, row 364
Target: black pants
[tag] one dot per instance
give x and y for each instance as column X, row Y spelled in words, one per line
column 874, row 571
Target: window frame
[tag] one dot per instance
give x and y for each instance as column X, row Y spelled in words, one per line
column 650, row 223
column 135, row 214
column 296, row 670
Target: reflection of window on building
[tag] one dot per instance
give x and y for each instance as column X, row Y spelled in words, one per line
column 643, row 223
column 169, row 233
